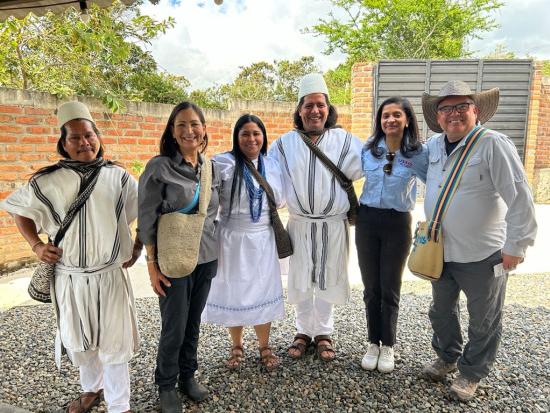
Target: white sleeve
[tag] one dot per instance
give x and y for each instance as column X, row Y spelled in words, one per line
column 510, row 182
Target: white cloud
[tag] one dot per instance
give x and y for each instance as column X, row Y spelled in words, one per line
column 209, row 42
column 524, row 29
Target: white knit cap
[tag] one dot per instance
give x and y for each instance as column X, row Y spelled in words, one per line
column 312, row 83
column 73, row 110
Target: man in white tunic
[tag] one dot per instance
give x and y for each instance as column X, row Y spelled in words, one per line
column 317, row 204
column 91, row 290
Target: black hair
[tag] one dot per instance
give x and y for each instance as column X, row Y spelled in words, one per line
column 240, row 156
column 61, row 150
column 168, row 144
column 332, row 117
column 410, row 142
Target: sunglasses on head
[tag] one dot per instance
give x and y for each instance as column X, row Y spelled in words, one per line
column 390, row 156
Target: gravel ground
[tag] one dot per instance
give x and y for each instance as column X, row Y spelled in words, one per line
column 519, row 382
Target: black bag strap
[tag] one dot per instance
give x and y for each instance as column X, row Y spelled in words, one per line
column 343, row 180
column 86, row 187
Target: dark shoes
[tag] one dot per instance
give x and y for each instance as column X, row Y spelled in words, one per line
column 192, row 389
column 170, row 402
column 85, row 402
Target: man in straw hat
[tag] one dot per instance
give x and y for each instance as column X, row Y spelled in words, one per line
column 489, row 224
column 318, row 205
column 91, row 291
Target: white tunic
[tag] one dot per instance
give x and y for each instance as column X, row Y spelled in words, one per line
column 318, row 205
column 92, row 291
column 247, row 289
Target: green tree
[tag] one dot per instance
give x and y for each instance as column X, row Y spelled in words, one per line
column 405, row 29
column 500, row 52
column 276, row 81
column 211, row 98
column 339, row 83
column 61, row 54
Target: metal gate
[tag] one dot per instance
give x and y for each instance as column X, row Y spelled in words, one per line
column 410, row 78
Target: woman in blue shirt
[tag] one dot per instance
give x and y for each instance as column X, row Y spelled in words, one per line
column 392, row 160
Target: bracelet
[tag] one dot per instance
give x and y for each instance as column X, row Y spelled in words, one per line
column 36, row 243
column 149, row 259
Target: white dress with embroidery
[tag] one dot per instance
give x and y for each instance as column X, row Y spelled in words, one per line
column 247, row 289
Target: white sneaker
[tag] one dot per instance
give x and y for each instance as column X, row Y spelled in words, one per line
column 386, row 362
column 370, row 359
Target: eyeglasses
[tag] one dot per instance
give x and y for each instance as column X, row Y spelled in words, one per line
column 390, row 156
column 460, row 108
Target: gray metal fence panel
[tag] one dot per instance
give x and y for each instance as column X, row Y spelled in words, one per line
column 410, row 78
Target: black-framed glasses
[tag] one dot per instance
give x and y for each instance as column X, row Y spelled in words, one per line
column 390, row 156
column 460, row 108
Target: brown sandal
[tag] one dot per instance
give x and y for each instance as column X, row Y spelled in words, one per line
column 268, row 359
column 301, row 343
column 324, row 348
column 85, row 402
column 236, row 358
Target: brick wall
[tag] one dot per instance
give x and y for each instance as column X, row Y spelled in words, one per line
column 541, row 175
column 28, row 137
column 362, row 95
column 542, row 152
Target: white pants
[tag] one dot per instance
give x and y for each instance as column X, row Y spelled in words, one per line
column 114, row 379
column 314, row 317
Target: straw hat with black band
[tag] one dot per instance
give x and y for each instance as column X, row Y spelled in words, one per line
column 486, row 102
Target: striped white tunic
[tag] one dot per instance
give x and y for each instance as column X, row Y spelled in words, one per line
column 318, row 205
column 93, row 294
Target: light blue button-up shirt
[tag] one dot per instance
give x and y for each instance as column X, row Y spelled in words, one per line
column 492, row 207
column 397, row 190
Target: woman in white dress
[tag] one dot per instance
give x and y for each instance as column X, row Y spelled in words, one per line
column 247, row 289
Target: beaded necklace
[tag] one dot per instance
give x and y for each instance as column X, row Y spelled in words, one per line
column 255, row 195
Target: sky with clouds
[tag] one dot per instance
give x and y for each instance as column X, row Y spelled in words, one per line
column 210, row 42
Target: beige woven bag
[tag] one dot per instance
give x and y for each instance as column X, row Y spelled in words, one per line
column 179, row 235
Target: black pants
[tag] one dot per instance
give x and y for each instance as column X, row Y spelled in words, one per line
column 383, row 238
column 180, row 313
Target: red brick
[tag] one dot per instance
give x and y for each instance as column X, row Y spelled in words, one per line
column 126, row 125
column 37, row 111
column 28, row 120
column 10, row 109
column 147, row 126
column 11, row 128
column 33, row 139
column 30, row 157
column 8, row 138
column 44, row 148
column 39, row 130
column 134, row 132
column 8, row 156
column 9, row 176
column 18, row 148
column 127, row 141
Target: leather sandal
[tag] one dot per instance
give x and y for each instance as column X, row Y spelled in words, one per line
column 236, row 358
column 301, row 343
column 268, row 359
column 324, row 348
column 85, row 402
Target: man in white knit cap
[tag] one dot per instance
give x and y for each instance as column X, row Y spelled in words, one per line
column 317, row 204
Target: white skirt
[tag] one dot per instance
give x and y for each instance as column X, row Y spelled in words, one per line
column 96, row 313
column 247, row 289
